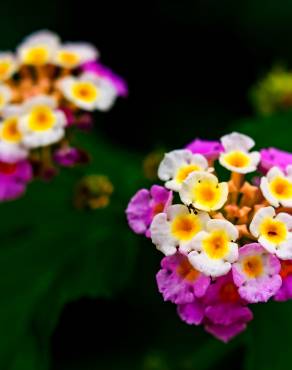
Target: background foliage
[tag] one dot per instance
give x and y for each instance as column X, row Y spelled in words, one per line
column 189, row 65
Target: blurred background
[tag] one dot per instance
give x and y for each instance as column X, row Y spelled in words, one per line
column 77, row 288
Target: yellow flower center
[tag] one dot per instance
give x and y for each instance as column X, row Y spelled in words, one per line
column 185, row 227
column 281, row 188
column 5, row 68
column 41, row 118
column 68, row 59
column 36, row 55
column 10, row 130
column 207, row 193
column 237, row 159
column 216, row 244
column 85, row 91
column 273, row 230
column 253, row 266
column 184, row 172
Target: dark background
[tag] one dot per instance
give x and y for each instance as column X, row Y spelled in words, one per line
column 189, row 65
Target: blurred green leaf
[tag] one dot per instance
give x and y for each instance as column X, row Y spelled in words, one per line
column 52, row 254
column 270, row 337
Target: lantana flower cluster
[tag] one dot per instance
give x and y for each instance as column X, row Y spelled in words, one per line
column 226, row 244
column 48, row 88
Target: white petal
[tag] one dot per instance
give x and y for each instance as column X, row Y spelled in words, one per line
column 274, row 172
column 12, row 153
column 286, row 203
column 176, row 210
column 284, row 251
column 237, row 141
column 286, row 218
column 12, row 110
column 254, row 160
column 258, row 218
column 173, row 185
column 199, row 160
column 85, row 52
column 161, row 236
column 233, row 253
column 46, row 100
column 207, row 266
column 224, row 194
column 42, row 37
column 255, row 157
column 270, row 247
column 204, row 217
column 225, row 225
column 267, row 194
column 289, row 171
column 171, row 162
column 196, row 242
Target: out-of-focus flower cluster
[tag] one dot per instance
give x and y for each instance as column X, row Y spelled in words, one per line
column 48, row 88
column 274, row 92
column 226, row 245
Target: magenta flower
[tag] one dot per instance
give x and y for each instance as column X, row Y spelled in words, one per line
column 210, row 149
column 70, row 118
column 285, row 292
column 69, row 157
column 178, row 281
column 223, row 312
column 13, row 179
column 226, row 314
column 271, row 157
column 192, row 313
column 145, row 205
column 256, row 273
column 104, row 72
column 226, row 333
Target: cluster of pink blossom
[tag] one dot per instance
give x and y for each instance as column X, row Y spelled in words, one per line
column 47, row 88
column 226, row 245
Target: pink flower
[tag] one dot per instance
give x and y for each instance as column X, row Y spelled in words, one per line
column 221, row 310
column 104, row 72
column 226, row 333
column 13, row 179
column 70, row 118
column 226, row 314
column 192, row 313
column 68, row 156
column 145, row 205
column 210, row 149
column 256, row 273
column 271, row 157
column 178, row 281
column 285, row 292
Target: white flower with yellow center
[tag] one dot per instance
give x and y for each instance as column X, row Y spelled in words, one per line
column 11, row 145
column 277, row 187
column 203, row 191
column 214, row 250
column 177, row 165
column 89, row 92
column 176, row 228
column 5, row 96
column 72, row 55
column 236, row 156
column 273, row 231
column 39, row 48
column 41, row 124
column 8, row 65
